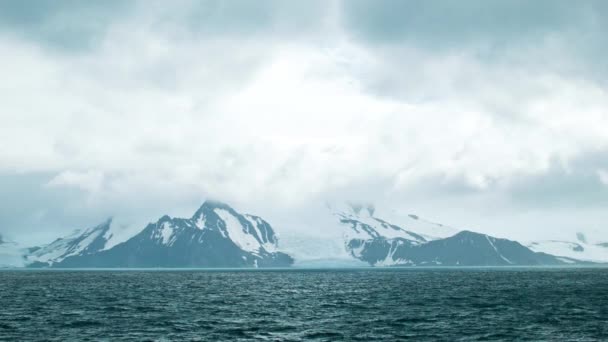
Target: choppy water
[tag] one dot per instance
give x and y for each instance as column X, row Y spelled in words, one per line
column 294, row 305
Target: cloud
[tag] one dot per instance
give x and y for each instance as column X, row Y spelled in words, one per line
column 603, row 176
column 274, row 106
column 89, row 181
column 63, row 24
column 455, row 22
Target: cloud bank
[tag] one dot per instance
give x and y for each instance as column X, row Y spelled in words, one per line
column 482, row 114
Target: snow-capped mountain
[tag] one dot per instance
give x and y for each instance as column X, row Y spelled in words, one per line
column 466, row 248
column 80, row 242
column 11, row 254
column 365, row 225
column 380, row 243
column 352, row 235
column 215, row 236
column 581, row 248
column 319, row 238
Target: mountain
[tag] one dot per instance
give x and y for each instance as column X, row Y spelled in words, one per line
column 215, row 236
column 365, row 224
column 582, row 248
column 380, row 243
column 318, row 238
column 463, row 249
column 79, row 243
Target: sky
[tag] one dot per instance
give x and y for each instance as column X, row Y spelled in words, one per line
column 485, row 115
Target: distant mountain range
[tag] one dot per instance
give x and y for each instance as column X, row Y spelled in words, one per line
column 380, row 243
column 219, row 236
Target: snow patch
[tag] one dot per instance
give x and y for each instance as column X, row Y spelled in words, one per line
column 200, row 222
column 568, row 249
column 496, row 250
column 166, row 232
column 266, row 242
column 236, row 232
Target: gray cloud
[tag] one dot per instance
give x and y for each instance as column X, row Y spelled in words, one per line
column 63, row 24
column 576, row 184
column 454, row 24
column 246, row 18
column 30, row 209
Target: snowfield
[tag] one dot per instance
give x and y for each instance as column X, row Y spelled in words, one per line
column 576, row 250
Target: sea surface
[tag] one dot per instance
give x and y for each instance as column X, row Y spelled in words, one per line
column 556, row 304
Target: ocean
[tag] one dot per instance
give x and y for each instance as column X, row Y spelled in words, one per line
column 367, row 304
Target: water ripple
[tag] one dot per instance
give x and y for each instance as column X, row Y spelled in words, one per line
column 303, row 305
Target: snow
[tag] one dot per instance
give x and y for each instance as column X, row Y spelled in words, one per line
column 120, row 232
column 430, row 230
column 236, row 232
column 82, row 245
column 381, row 228
column 50, row 252
column 166, row 232
column 406, row 224
column 327, row 243
column 590, row 252
column 311, row 248
column 62, row 248
column 200, row 222
column 491, row 242
column 390, row 262
column 566, row 260
column 265, row 239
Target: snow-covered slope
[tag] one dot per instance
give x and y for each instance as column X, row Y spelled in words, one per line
column 363, row 225
column 581, row 248
column 320, row 238
column 366, row 224
column 80, row 242
column 318, row 248
column 428, row 229
column 415, row 241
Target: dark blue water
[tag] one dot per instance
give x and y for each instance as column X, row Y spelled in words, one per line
column 297, row 305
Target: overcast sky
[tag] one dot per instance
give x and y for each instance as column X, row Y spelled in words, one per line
column 487, row 115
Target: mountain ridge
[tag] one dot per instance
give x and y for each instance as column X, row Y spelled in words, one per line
column 216, row 235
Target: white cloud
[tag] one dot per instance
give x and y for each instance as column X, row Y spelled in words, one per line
column 89, row 181
column 301, row 121
column 158, row 115
column 603, row 176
